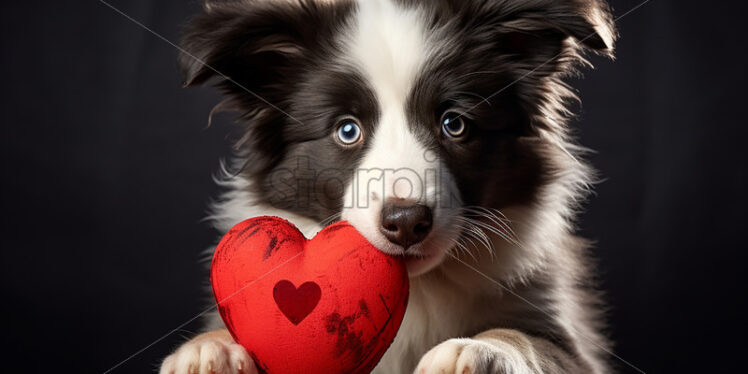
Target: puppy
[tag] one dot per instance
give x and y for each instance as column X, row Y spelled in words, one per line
column 438, row 129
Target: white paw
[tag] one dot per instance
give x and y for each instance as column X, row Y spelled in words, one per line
column 210, row 353
column 470, row 356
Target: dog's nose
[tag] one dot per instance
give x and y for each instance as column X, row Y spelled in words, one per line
column 405, row 223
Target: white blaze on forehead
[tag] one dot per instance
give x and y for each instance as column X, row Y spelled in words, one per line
column 388, row 45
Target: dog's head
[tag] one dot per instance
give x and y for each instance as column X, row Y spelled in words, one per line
column 416, row 121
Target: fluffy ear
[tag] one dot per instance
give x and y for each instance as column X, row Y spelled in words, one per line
column 536, row 44
column 589, row 22
column 253, row 45
column 541, row 27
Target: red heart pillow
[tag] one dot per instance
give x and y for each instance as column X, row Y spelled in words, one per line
column 332, row 304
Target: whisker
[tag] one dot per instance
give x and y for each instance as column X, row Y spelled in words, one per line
column 463, row 239
column 472, row 231
column 506, row 222
column 464, row 249
column 492, row 211
column 490, row 228
column 490, row 214
column 476, row 232
column 329, row 220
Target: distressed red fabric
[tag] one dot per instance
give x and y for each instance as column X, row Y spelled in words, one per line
column 332, row 304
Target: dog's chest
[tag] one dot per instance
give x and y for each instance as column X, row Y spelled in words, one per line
column 433, row 316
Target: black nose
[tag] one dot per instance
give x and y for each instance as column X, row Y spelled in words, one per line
column 405, row 223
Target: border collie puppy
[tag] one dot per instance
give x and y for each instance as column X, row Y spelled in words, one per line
column 438, row 128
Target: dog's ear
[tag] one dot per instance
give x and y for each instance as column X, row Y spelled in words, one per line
column 589, row 22
column 252, row 45
column 542, row 28
column 537, row 43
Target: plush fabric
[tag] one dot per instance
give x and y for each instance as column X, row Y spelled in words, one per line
column 331, row 304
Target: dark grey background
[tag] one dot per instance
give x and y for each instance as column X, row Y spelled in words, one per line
column 107, row 171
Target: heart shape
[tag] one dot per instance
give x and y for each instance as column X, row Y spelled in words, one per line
column 341, row 318
column 295, row 303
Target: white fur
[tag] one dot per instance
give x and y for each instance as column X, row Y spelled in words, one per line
column 458, row 356
column 237, row 204
column 389, row 46
column 209, row 353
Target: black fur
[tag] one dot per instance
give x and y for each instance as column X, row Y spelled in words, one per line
column 500, row 63
column 278, row 69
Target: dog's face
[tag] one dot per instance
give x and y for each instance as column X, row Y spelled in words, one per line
column 404, row 118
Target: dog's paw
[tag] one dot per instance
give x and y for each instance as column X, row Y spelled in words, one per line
column 210, row 353
column 470, row 356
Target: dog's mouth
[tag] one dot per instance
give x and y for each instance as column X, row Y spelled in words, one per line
column 415, row 262
column 423, row 260
column 421, row 257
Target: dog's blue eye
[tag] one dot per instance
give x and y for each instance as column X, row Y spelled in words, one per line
column 349, row 132
column 453, row 125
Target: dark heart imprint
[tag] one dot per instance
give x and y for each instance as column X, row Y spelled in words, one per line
column 296, row 303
